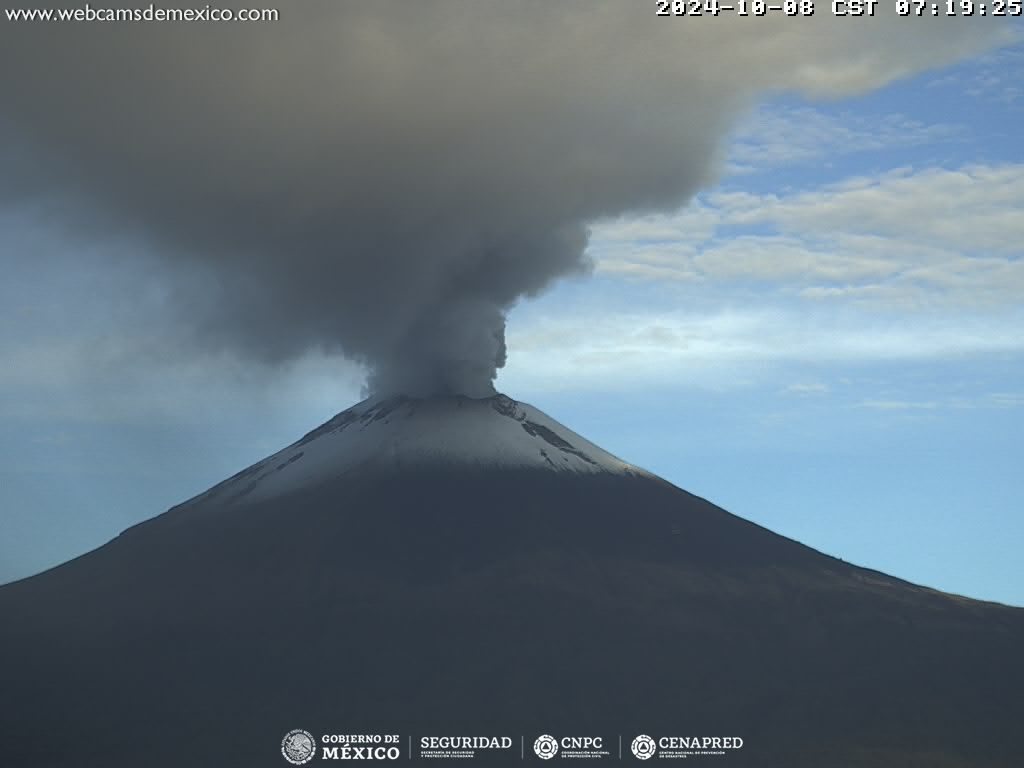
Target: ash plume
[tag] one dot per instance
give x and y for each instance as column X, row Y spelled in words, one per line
column 387, row 179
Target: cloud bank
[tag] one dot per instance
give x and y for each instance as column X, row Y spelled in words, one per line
column 386, row 179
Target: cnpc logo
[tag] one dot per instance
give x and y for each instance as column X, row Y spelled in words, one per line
column 547, row 746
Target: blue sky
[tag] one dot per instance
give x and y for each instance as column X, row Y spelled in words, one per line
column 828, row 340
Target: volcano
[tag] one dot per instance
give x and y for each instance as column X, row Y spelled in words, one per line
column 469, row 566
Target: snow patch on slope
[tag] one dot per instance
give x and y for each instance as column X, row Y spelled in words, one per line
column 401, row 432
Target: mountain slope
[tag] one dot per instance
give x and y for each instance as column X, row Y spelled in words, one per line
column 401, row 588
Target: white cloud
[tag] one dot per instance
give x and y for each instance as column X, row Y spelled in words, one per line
column 992, row 77
column 776, row 137
column 786, row 257
column 990, row 400
column 808, row 389
column 898, row 405
column 1006, row 399
column 971, row 209
column 907, row 240
column 730, row 348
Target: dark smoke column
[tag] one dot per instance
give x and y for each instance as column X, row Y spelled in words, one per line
column 386, row 182
column 458, row 350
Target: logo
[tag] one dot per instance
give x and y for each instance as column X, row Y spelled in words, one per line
column 460, row 747
column 298, row 746
column 360, row 746
column 644, row 747
column 687, row 746
column 546, row 747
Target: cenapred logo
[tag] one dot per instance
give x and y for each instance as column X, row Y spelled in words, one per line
column 546, row 747
column 644, row 747
column 298, row 746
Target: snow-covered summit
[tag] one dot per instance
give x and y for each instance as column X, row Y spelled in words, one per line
column 402, row 432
